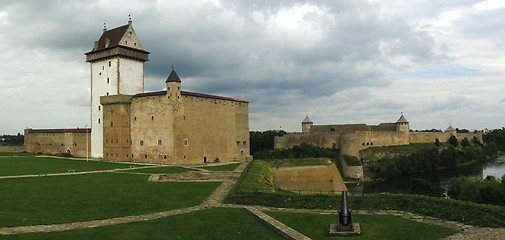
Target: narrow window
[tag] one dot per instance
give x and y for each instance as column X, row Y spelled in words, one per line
column 244, row 143
column 106, row 140
column 107, row 80
column 107, row 93
column 185, row 142
column 238, row 143
column 117, row 140
column 126, row 42
column 127, row 155
column 109, row 64
column 165, row 157
column 152, row 117
column 146, row 155
column 134, row 44
column 159, row 141
column 99, row 108
column 141, row 142
column 99, row 121
column 135, row 118
column 185, row 157
column 111, row 124
column 103, row 68
column 100, row 74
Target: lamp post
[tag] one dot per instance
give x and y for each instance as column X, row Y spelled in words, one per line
column 85, row 127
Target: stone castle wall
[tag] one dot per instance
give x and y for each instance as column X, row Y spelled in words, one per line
column 352, row 143
column 12, row 148
column 57, row 141
column 328, row 140
column 430, row 137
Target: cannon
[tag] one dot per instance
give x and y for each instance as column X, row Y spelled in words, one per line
column 344, row 215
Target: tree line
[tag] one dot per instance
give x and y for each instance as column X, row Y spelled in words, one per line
column 12, row 140
column 441, row 155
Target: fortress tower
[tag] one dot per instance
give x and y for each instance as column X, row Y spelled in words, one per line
column 402, row 125
column 117, row 67
column 306, row 124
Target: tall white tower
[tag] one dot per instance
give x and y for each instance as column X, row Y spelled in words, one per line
column 117, row 67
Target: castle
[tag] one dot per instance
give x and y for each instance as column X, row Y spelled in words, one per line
column 352, row 138
column 127, row 124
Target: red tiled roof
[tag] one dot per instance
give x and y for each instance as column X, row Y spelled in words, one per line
column 60, row 130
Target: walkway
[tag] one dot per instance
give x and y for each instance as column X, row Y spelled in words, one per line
column 228, row 179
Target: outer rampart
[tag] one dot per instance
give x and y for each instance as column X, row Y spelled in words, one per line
column 309, row 179
column 12, row 148
column 430, row 137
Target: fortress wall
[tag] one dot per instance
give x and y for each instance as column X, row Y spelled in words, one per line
column 429, row 137
column 151, row 129
column 12, row 148
column 327, row 140
column 352, row 143
column 57, row 141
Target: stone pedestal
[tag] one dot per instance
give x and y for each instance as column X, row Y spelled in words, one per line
column 335, row 231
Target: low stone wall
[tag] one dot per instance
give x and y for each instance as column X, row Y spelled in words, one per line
column 12, row 148
column 309, row 179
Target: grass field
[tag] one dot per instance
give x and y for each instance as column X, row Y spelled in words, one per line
column 227, row 167
column 316, row 226
column 43, row 200
column 30, row 164
column 214, row 223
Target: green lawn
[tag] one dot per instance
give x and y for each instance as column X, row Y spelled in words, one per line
column 25, row 165
column 227, row 167
column 316, row 226
column 157, row 170
column 214, row 223
column 44, row 200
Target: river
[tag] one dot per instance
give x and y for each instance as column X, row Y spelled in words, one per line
column 495, row 168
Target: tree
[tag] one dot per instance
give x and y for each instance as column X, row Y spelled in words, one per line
column 453, row 141
column 465, row 142
column 437, row 142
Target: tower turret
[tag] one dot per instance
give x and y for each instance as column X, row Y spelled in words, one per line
column 173, row 86
column 402, row 125
column 117, row 67
column 306, row 124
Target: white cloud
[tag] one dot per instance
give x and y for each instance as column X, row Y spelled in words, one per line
column 339, row 61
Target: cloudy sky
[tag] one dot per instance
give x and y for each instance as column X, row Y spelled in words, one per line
column 438, row 62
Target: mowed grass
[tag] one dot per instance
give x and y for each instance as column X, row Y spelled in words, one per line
column 30, row 164
column 213, row 223
column 157, row 170
column 226, row 167
column 316, row 226
column 63, row 199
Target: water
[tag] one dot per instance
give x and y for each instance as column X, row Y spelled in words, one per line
column 495, row 168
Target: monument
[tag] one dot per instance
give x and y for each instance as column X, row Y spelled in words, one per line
column 345, row 226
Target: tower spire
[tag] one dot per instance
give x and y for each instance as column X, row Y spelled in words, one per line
column 104, row 26
column 129, row 18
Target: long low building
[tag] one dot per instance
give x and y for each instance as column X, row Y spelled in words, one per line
column 58, row 141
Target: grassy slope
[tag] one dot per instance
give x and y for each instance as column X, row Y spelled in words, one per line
column 211, row 223
column 259, row 177
column 25, row 165
column 316, row 226
column 44, row 200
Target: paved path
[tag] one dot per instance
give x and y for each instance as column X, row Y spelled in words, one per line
column 228, row 179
